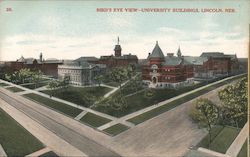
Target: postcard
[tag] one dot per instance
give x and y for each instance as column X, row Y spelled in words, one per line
column 124, row 78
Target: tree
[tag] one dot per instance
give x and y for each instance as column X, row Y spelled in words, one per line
column 234, row 102
column 36, row 77
column 205, row 113
column 118, row 102
column 65, row 82
column 99, row 79
column 52, row 85
column 130, row 71
column 24, row 74
column 14, row 77
column 119, row 75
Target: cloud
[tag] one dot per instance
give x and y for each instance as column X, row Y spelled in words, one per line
column 66, row 47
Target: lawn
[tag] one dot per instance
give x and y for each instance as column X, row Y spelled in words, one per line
column 49, row 154
column 58, row 106
column 3, row 84
column 243, row 151
column 221, row 139
column 83, row 96
column 139, row 101
column 32, row 86
column 205, row 141
column 113, row 84
column 159, row 110
column 94, row 120
column 116, row 129
column 14, row 89
column 15, row 140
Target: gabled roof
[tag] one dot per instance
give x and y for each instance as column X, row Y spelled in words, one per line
column 157, row 52
column 212, row 54
column 172, row 60
column 90, row 58
column 194, row 60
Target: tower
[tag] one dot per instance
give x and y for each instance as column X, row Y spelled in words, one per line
column 41, row 57
column 157, row 55
column 118, row 49
column 179, row 52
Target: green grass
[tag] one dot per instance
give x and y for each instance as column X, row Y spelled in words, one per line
column 32, row 86
column 94, row 120
column 49, row 154
column 243, row 151
column 61, row 107
column 14, row 89
column 205, row 141
column 159, row 110
column 116, row 129
column 15, row 140
column 83, row 96
column 3, row 84
column 224, row 139
column 113, row 84
column 221, row 139
column 139, row 101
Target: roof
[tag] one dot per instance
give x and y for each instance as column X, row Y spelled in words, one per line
column 21, row 59
column 83, row 64
column 232, row 56
column 212, row 54
column 117, row 47
column 194, row 60
column 128, row 56
column 157, row 52
column 172, row 60
column 179, row 52
column 90, row 58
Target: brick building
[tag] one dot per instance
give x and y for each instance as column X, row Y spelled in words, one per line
column 217, row 64
column 47, row 67
column 170, row 71
column 118, row 59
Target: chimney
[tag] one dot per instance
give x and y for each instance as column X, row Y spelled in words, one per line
column 170, row 54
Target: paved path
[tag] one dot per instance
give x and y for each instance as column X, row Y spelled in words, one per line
column 46, row 136
column 26, row 90
column 78, row 117
column 2, row 152
column 116, row 88
column 134, row 114
column 63, row 126
column 39, row 152
column 237, row 144
column 212, row 153
column 169, row 134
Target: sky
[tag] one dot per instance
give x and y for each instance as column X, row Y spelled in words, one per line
column 71, row 29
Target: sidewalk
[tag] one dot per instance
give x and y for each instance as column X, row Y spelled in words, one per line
column 237, row 144
column 47, row 137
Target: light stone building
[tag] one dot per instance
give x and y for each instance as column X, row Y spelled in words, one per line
column 80, row 72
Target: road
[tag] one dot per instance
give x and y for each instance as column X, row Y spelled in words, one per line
column 169, row 134
column 61, row 129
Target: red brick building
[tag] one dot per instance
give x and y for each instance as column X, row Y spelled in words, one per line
column 118, row 59
column 169, row 71
column 47, row 67
column 216, row 64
